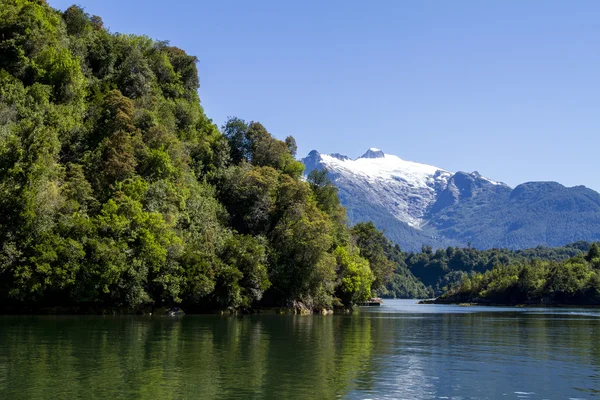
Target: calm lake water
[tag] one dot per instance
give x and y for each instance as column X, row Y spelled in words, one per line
column 400, row 350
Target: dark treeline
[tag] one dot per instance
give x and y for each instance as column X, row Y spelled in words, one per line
column 116, row 190
column 574, row 281
column 393, row 279
column 441, row 269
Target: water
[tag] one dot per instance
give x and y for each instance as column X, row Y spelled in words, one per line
column 400, row 351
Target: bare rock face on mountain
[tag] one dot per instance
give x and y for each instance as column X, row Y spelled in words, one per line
column 418, row 204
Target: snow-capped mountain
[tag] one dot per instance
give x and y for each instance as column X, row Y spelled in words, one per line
column 419, row 204
column 405, row 188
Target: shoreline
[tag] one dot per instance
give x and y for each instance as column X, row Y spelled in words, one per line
column 159, row 311
column 513, row 305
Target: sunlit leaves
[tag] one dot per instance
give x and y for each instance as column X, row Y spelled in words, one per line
column 116, row 190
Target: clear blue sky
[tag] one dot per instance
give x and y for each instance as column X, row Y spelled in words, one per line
column 510, row 88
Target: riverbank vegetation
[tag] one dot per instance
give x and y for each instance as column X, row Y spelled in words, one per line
column 116, row 190
column 393, row 279
column 441, row 269
column 575, row 281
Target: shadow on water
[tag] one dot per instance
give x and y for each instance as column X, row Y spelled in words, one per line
column 396, row 351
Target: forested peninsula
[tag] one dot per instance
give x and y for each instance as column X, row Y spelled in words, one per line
column 575, row 281
column 118, row 194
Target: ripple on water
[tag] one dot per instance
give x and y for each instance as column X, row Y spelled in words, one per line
column 396, row 351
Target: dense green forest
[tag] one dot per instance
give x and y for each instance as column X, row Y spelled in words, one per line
column 574, row 281
column 433, row 272
column 116, row 190
column 442, row 268
column 393, row 278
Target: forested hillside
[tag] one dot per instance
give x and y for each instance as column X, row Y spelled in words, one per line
column 443, row 268
column 575, row 281
column 116, row 190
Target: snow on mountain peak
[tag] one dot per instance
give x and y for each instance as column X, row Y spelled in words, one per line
column 407, row 189
column 385, row 167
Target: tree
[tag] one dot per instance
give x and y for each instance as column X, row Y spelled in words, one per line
column 290, row 142
column 355, row 274
column 593, row 254
column 373, row 245
column 326, row 193
column 247, row 257
column 235, row 131
column 302, row 237
column 76, row 20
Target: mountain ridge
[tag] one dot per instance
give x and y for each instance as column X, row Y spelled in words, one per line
column 420, row 204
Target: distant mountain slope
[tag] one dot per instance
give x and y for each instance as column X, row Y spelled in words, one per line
column 533, row 213
column 418, row 204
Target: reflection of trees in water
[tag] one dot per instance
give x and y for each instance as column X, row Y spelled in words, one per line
column 270, row 356
column 399, row 365
column 322, row 359
column 193, row 357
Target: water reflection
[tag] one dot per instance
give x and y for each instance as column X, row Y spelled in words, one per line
column 397, row 351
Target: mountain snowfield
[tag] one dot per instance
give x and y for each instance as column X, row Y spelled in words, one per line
column 419, row 204
column 407, row 189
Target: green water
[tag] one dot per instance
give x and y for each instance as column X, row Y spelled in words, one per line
column 400, row 350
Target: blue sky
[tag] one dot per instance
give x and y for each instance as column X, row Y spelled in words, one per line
column 508, row 88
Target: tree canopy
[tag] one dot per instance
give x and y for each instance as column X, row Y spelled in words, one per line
column 116, row 190
column 574, row 281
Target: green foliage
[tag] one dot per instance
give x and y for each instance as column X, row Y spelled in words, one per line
column 116, row 189
column 391, row 276
column 246, row 262
column 326, row 196
column 372, row 244
column 442, row 269
column 355, row 274
column 325, row 191
column 593, row 254
column 574, row 281
column 252, row 143
column 302, row 237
